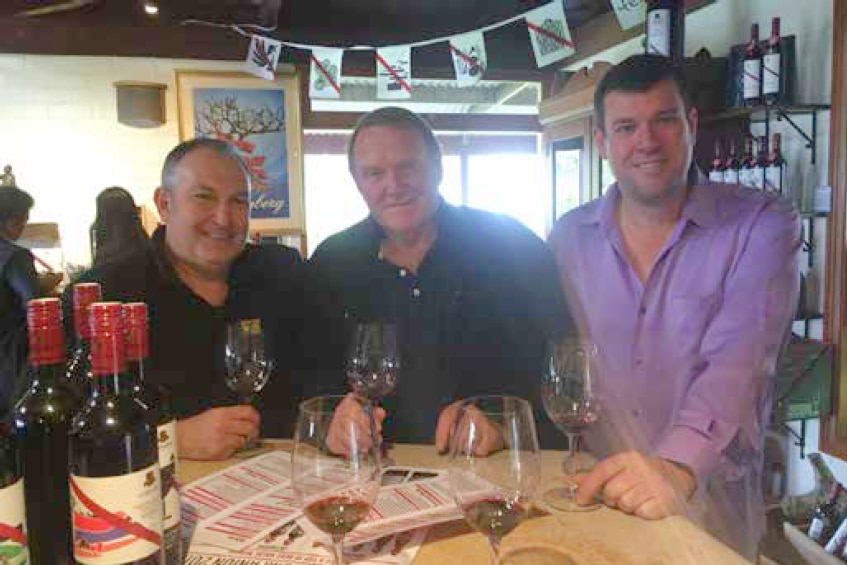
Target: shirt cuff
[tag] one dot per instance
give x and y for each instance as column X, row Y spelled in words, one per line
column 690, row 447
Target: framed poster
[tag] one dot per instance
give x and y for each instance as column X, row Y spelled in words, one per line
column 262, row 120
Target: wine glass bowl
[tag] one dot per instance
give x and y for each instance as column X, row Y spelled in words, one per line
column 247, row 367
column 373, row 361
column 336, row 491
column 568, row 392
column 494, row 468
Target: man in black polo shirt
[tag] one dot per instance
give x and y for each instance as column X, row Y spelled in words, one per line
column 475, row 294
column 198, row 274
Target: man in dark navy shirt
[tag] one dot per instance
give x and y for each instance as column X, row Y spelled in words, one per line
column 475, row 295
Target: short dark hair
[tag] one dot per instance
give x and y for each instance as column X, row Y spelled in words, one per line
column 15, row 204
column 396, row 117
column 638, row 73
column 182, row 150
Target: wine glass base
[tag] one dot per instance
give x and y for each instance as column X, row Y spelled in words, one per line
column 561, row 500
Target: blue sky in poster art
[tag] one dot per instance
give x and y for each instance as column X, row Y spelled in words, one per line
column 273, row 203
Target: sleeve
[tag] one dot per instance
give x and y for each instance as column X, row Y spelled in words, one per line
column 21, row 276
column 730, row 395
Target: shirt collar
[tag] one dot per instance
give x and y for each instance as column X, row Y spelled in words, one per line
column 376, row 233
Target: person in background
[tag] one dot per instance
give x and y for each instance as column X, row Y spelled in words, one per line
column 688, row 289
column 473, row 294
column 116, row 232
column 198, row 273
column 18, row 285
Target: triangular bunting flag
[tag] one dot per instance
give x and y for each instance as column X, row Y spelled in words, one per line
column 549, row 33
column 394, row 73
column 630, row 13
column 325, row 75
column 469, row 58
column 263, row 57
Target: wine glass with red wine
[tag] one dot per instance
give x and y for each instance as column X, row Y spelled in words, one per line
column 373, row 362
column 495, row 467
column 247, row 367
column 335, row 490
column 569, row 394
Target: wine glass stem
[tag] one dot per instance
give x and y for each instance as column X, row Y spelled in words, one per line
column 570, row 466
column 338, row 549
column 494, row 546
column 573, row 444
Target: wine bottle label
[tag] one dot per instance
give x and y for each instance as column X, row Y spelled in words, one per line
column 730, row 176
column 745, row 177
column 13, row 549
column 752, row 78
column 716, row 176
column 757, row 177
column 816, row 529
column 773, row 178
column 659, row 32
column 167, row 462
column 117, row 519
column 836, row 542
column 770, row 74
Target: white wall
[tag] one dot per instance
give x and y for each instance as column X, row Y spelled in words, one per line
column 60, row 133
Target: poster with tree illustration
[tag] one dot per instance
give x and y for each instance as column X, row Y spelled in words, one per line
column 261, row 120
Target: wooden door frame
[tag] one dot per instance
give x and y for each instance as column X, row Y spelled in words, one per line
column 833, row 430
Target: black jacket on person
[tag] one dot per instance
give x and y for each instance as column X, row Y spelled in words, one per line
column 18, row 285
column 187, row 335
column 475, row 319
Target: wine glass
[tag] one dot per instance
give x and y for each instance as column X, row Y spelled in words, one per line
column 494, row 468
column 247, row 367
column 336, row 491
column 570, row 399
column 373, row 362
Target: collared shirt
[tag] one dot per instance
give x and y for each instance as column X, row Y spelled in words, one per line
column 687, row 357
column 473, row 319
column 187, row 334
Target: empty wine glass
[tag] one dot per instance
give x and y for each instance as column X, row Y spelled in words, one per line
column 495, row 467
column 570, row 399
column 373, row 363
column 247, row 367
column 335, row 490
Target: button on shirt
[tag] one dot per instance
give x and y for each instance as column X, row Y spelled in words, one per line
column 473, row 319
column 687, row 357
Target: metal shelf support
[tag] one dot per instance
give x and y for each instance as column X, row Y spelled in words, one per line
column 810, row 141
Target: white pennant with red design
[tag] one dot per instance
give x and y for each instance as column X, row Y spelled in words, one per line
column 262, row 57
column 549, row 33
column 325, row 74
column 630, row 13
column 394, row 73
column 469, row 57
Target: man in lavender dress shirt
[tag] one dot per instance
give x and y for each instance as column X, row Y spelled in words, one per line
column 688, row 288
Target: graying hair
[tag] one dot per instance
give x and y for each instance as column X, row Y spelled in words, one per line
column 182, row 150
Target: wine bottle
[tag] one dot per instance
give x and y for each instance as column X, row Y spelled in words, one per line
column 666, row 29
column 824, row 516
column 760, row 166
column 717, row 170
column 771, row 67
column 42, row 419
column 775, row 173
column 753, row 69
column 79, row 367
column 137, row 352
column 730, row 170
column 748, row 162
column 114, row 464
column 13, row 543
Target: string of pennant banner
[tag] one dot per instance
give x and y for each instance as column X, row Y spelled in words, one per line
column 547, row 26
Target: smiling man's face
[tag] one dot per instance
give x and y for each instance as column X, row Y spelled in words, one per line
column 396, row 177
column 648, row 138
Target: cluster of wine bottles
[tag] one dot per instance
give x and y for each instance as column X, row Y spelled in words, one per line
column 88, row 474
column 762, row 78
column 828, row 526
column 762, row 168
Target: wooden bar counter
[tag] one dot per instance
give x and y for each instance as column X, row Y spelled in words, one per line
column 599, row 537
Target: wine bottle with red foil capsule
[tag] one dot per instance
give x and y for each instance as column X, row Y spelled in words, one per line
column 760, row 166
column 716, row 172
column 775, row 173
column 748, row 163
column 772, row 67
column 13, row 542
column 137, row 352
column 43, row 418
column 116, row 493
column 752, row 68
column 79, row 366
column 732, row 165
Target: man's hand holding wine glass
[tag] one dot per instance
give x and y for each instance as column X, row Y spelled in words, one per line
column 648, row 487
column 488, row 437
column 350, row 413
column 217, row 433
